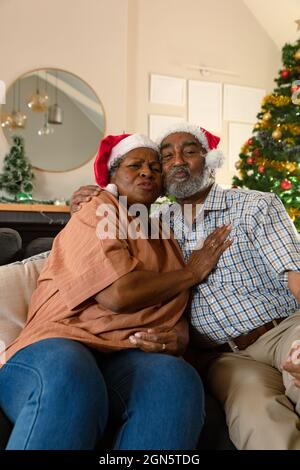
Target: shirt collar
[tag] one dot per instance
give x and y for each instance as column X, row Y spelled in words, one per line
column 216, row 199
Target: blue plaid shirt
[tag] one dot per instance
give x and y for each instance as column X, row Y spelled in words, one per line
column 249, row 285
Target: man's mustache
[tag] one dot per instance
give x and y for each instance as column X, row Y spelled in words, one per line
column 178, row 169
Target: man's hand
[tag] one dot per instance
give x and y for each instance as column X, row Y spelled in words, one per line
column 292, row 363
column 158, row 340
column 82, row 195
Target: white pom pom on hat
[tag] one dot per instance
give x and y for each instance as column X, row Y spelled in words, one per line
column 214, row 158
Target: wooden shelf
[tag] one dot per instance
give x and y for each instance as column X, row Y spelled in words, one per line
column 33, row 207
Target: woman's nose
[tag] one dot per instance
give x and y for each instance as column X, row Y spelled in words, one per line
column 146, row 171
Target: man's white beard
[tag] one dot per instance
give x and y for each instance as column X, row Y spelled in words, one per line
column 191, row 186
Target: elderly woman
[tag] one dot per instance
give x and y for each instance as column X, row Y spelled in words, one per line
column 76, row 362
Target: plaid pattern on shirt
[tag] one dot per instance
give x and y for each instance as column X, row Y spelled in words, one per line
column 249, row 285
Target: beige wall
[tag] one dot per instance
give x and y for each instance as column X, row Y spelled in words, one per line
column 86, row 37
column 114, row 45
column 222, row 34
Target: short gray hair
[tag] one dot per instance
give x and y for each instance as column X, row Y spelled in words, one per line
column 115, row 166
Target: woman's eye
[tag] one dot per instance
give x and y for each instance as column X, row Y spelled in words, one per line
column 134, row 165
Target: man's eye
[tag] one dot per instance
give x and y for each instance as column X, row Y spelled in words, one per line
column 167, row 156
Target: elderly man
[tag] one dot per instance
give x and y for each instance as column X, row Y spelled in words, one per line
column 245, row 315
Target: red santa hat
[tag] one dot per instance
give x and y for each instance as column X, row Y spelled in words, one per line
column 214, row 158
column 114, row 147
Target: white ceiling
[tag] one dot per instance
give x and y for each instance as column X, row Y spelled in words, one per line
column 277, row 17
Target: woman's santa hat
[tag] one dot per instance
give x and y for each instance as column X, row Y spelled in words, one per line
column 214, row 158
column 114, row 147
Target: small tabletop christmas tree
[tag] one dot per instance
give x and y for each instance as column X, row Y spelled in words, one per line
column 270, row 159
column 17, row 175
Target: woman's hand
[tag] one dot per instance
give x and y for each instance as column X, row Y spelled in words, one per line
column 83, row 194
column 202, row 262
column 158, row 340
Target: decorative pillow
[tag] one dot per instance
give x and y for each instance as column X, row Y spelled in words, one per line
column 17, row 283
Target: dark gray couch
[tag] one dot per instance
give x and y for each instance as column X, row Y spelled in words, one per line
column 214, row 435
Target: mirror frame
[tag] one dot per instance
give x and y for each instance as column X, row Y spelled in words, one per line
column 88, row 85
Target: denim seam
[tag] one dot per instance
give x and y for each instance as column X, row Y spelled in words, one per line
column 36, row 372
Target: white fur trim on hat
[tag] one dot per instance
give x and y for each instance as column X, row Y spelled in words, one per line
column 184, row 127
column 214, row 159
column 132, row 142
column 112, row 188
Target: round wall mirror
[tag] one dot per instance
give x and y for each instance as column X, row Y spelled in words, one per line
column 59, row 115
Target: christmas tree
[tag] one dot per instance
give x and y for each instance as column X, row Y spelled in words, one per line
column 17, row 173
column 270, row 159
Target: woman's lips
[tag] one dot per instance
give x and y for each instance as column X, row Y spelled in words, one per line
column 147, row 186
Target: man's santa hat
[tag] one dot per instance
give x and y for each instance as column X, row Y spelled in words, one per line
column 214, row 158
column 113, row 148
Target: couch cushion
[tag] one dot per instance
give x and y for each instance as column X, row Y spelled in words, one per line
column 17, row 282
column 10, row 243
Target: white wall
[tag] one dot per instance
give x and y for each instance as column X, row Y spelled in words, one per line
column 115, row 45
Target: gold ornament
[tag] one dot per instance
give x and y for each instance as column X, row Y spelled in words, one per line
column 276, row 100
column 267, row 116
column 292, row 128
column 245, row 148
column 289, row 141
column 297, row 55
column 293, row 213
column 257, row 126
column 277, row 134
column 237, row 165
column 292, row 167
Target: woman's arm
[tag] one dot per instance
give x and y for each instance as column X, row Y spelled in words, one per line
column 140, row 289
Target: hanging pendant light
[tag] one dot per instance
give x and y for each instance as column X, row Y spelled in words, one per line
column 38, row 101
column 19, row 119
column 55, row 115
column 14, row 112
column 46, row 129
column 6, row 120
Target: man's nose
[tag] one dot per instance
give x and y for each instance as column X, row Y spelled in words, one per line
column 178, row 159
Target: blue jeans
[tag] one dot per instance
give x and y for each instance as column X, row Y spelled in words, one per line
column 60, row 395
